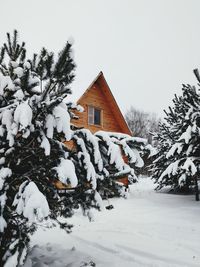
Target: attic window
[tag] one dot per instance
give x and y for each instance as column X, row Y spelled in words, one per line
column 94, row 115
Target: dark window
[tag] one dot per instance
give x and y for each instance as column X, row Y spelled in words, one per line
column 97, row 116
column 94, row 115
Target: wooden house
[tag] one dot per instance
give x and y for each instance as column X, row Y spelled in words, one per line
column 101, row 111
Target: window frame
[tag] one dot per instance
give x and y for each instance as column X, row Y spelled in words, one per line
column 91, row 115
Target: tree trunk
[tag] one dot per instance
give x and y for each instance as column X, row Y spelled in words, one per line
column 196, row 188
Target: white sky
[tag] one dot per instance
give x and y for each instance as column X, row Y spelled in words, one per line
column 146, row 48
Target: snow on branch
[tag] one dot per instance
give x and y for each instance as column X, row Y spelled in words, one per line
column 62, row 120
column 172, row 169
column 85, row 158
column 66, row 172
column 31, row 203
column 186, row 135
column 23, row 119
column 122, row 143
column 94, row 142
column 114, row 152
column 177, row 147
column 4, row 172
column 189, row 166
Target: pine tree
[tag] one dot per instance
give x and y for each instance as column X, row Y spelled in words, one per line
column 31, row 95
column 34, row 120
column 34, row 123
column 163, row 139
column 177, row 163
column 104, row 157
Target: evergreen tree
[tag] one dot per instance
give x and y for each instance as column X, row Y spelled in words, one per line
column 31, row 113
column 105, row 157
column 178, row 157
column 163, row 139
column 34, row 123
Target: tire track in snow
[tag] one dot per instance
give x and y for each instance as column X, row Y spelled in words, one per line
column 172, row 262
column 130, row 259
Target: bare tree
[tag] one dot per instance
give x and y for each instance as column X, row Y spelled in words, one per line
column 141, row 123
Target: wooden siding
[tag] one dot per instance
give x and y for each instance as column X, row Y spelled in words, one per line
column 99, row 96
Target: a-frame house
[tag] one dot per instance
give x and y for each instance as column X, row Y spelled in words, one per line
column 101, row 111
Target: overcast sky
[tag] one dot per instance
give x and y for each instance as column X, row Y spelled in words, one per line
column 145, row 48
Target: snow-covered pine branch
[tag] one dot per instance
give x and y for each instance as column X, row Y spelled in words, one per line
column 106, row 157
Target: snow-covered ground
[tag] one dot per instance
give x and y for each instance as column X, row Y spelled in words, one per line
column 147, row 229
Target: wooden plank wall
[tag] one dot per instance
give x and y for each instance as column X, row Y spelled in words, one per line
column 95, row 97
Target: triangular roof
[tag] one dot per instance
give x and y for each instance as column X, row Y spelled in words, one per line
column 101, row 81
